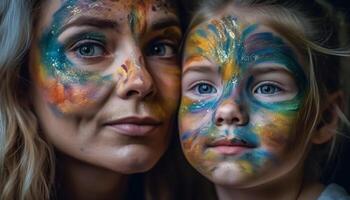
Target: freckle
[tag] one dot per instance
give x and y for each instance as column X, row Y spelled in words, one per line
column 82, row 149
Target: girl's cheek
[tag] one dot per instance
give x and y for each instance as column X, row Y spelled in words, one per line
column 194, row 115
column 193, row 123
column 275, row 130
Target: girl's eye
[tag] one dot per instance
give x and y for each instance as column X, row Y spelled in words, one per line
column 161, row 49
column 204, row 88
column 267, row 89
column 89, row 50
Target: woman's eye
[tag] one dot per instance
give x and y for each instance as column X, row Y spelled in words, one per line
column 161, row 49
column 89, row 50
column 204, row 88
column 267, row 89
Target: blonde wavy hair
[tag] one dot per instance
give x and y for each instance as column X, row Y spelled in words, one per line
column 26, row 160
column 314, row 29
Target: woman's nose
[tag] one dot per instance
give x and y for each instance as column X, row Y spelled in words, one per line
column 138, row 82
column 230, row 113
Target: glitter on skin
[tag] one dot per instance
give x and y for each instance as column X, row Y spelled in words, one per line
column 235, row 47
column 68, row 88
column 137, row 19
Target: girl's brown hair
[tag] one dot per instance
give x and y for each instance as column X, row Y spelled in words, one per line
column 314, row 29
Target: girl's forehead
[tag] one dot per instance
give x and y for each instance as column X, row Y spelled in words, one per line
column 237, row 29
column 230, row 42
column 232, row 23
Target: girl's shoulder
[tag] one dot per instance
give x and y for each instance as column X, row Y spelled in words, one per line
column 334, row 192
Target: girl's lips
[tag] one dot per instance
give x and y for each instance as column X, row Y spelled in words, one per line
column 234, row 146
column 229, row 150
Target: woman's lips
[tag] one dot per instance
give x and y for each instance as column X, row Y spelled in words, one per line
column 134, row 125
column 230, row 147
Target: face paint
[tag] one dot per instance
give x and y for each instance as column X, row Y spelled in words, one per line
column 137, row 19
column 87, row 66
column 225, row 61
column 69, row 86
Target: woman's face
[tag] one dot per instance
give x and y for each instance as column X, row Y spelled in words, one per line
column 243, row 87
column 106, row 79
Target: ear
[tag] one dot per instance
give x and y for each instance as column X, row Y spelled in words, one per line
column 330, row 119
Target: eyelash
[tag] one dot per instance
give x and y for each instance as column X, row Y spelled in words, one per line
column 173, row 47
column 88, row 43
column 269, row 84
column 195, row 88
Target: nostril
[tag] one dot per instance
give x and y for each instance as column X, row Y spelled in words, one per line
column 131, row 93
column 230, row 113
column 235, row 120
column 229, row 121
column 219, row 121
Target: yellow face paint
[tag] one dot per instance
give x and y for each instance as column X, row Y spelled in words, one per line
column 229, row 70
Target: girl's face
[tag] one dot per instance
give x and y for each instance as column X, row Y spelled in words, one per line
column 243, row 87
column 106, row 79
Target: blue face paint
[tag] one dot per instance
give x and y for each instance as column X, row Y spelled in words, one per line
column 67, row 87
column 236, row 48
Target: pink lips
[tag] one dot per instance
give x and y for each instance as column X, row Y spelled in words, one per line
column 134, row 125
column 228, row 147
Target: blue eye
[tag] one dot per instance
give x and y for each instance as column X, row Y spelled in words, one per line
column 161, row 49
column 89, row 50
column 267, row 89
column 204, row 88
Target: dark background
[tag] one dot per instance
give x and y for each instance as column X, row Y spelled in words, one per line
column 342, row 166
column 341, row 4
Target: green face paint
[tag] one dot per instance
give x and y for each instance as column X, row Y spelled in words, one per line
column 73, row 73
column 230, row 70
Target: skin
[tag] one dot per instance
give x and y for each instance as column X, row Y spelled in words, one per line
column 94, row 64
column 243, row 87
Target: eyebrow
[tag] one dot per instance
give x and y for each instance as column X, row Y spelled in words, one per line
column 267, row 69
column 91, row 21
column 165, row 23
column 199, row 69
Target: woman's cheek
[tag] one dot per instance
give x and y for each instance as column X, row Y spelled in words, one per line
column 65, row 95
column 166, row 78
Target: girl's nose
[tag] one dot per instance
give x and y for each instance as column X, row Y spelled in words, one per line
column 230, row 113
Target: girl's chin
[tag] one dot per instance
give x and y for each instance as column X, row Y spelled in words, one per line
column 228, row 174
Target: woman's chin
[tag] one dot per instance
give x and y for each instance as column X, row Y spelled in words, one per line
column 135, row 158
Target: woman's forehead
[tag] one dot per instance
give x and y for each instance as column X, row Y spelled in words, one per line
column 121, row 12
